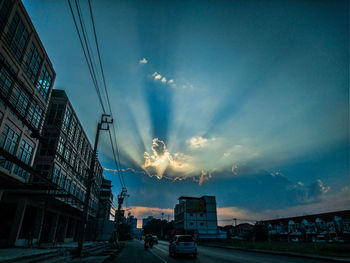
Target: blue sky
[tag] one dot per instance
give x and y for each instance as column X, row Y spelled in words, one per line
column 245, row 100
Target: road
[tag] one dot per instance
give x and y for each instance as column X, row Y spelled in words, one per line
column 134, row 252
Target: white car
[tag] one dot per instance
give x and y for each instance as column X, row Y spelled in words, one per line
column 183, row 244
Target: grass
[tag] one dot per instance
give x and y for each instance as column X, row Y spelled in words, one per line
column 320, row 249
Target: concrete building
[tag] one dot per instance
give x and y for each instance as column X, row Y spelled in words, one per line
column 132, row 221
column 64, row 157
column 197, row 215
column 104, row 224
column 26, row 81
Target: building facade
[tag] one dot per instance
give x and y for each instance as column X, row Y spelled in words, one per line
column 325, row 227
column 104, row 219
column 197, row 215
column 64, row 157
column 26, row 81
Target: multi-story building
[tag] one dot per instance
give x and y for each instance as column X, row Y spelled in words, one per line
column 64, row 157
column 132, row 221
column 197, row 215
column 26, row 81
column 104, row 219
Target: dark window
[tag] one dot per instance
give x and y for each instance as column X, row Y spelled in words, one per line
column 35, row 115
column 62, row 181
column 66, row 120
column 67, row 153
column 47, row 147
column 25, row 154
column 32, row 65
column 56, row 175
column 17, row 37
column 5, row 6
column 202, row 224
column 55, row 114
column 68, row 185
column 9, row 142
column 60, row 145
column 5, row 81
column 44, row 83
column 73, row 125
column 20, row 100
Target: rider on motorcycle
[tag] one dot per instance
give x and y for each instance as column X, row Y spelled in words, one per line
column 148, row 241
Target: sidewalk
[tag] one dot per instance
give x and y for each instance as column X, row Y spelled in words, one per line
column 281, row 253
column 61, row 251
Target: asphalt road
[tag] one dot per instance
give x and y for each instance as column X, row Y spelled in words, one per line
column 134, row 252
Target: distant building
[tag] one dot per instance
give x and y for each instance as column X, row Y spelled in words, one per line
column 146, row 220
column 26, row 81
column 332, row 226
column 197, row 215
column 132, row 221
column 104, row 224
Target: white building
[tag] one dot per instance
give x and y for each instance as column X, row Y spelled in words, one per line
column 197, row 215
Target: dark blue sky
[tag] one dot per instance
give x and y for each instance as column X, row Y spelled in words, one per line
column 245, row 100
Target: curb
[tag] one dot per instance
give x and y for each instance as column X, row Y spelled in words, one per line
column 282, row 253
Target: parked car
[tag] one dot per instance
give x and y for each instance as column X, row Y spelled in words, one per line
column 182, row 244
column 155, row 239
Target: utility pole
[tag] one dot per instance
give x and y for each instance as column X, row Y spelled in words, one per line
column 121, row 197
column 105, row 119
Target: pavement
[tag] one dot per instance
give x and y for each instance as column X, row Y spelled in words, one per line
column 134, row 252
column 60, row 253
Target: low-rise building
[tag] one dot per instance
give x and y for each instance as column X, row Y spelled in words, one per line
column 332, row 227
column 197, row 215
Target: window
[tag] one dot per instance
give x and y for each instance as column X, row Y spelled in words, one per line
column 55, row 114
column 73, row 189
column 35, row 115
column 60, row 145
column 56, row 175
column 201, row 214
column 9, row 142
column 44, row 83
column 77, row 137
column 32, row 65
column 20, row 100
column 25, row 154
column 66, row 120
column 63, row 180
column 48, row 146
column 67, row 188
column 17, row 37
column 5, row 6
column 202, row 224
column 5, row 81
column 73, row 125
column 67, row 153
column 72, row 159
column 191, row 224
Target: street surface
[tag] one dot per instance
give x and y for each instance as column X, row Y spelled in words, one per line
column 134, row 252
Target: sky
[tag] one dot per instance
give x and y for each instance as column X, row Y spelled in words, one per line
column 245, row 100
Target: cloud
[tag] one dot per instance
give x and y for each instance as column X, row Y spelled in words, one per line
column 156, row 76
column 143, row 61
column 205, row 176
column 161, row 160
column 199, row 142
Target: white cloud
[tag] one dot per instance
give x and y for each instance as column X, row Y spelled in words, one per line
column 143, row 61
column 170, row 81
column 161, row 160
column 163, row 80
column 156, row 76
column 199, row 142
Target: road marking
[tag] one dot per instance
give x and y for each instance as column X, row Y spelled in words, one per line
column 158, row 256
